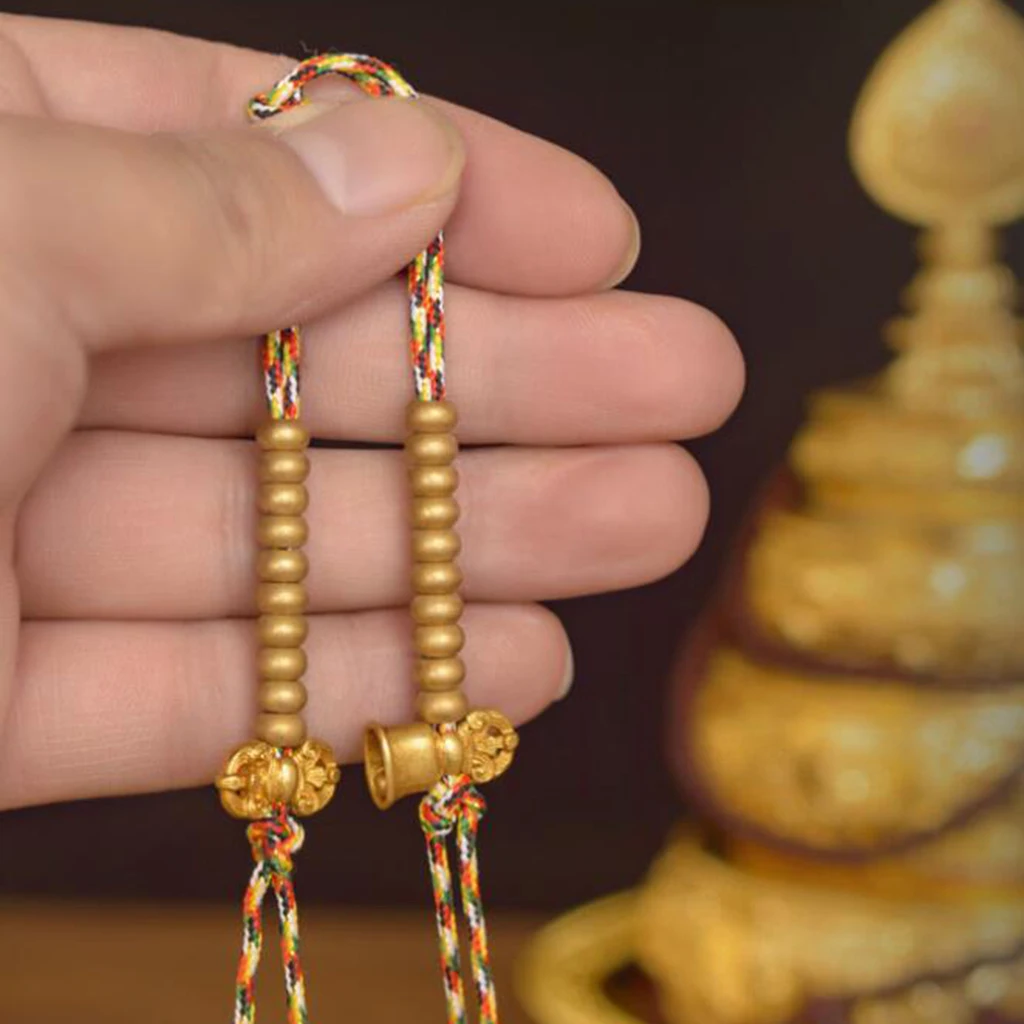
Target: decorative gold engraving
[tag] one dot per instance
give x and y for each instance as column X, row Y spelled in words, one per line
column 489, row 743
column 845, row 763
column 319, row 776
column 923, row 596
column 258, row 776
column 406, row 759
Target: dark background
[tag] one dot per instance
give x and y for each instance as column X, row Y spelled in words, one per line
column 724, row 124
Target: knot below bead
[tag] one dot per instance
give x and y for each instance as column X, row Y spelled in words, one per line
column 453, row 797
column 274, row 840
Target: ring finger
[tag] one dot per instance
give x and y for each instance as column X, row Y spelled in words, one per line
column 133, row 526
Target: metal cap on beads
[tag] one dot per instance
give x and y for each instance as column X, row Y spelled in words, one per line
column 450, row 739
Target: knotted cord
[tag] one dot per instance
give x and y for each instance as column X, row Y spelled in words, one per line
column 454, row 804
column 274, row 840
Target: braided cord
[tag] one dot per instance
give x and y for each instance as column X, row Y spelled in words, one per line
column 456, row 805
column 425, row 273
column 281, row 351
column 273, row 840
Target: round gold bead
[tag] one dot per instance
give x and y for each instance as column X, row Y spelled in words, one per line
column 434, row 513
column 433, row 481
column 282, row 499
column 281, row 730
column 281, row 599
column 282, row 531
column 436, row 708
column 431, row 449
column 282, row 696
column 436, row 578
column 284, row 467
column 281, row 664
column 439, row 641
column 282, row 630
column 430, row 417
column 436, row 609
column 440, row 673
column 435, row 545
column 283, row 565
column 282, row 435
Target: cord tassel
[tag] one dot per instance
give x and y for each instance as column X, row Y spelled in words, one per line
column 456, row 805
column 273, row 840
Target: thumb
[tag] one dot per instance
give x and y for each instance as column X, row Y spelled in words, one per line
column 120, row 238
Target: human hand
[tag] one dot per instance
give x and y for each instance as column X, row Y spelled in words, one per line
column 148, row 235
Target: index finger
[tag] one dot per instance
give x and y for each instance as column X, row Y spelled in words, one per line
column 533, row 218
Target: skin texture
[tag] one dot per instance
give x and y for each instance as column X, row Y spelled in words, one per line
column 149, row 237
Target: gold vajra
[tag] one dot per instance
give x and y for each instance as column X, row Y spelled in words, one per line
column 407, row 759
column 258, row 777
column 844, row 763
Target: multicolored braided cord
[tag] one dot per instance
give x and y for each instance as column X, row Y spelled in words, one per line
column 425, row 273
column 274, row 840
column 456, row 805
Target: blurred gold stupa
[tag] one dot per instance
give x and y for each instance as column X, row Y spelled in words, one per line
column 851, row 715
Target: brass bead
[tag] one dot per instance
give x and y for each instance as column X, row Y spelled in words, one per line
column 436, row 609
column 282, row 499
column 438, row 641
column 435, row 545
column 284, row 467
column 281, row 599
column 433, row 481
column 281, row 730
column 440, row 673
column 282, row 697
column 430, row 417
column 431, row 449
column 436, row 578
column 281, row 664
column 434, row 513
column 282, row 531
column 282, row 435
column 284, row 565
column 449, row 706
column 282, row 630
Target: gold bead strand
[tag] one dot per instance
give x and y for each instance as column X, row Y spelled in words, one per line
column 281, row 593
column 281, row 769
column 430, row 451
column 281, row 766
column 449, row 739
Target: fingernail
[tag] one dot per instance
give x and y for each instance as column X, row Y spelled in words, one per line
column 376, row 157
column 625, row 268
column 570, row 673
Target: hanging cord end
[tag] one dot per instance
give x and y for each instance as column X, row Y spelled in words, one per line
column 455, row 805
column 274, row 841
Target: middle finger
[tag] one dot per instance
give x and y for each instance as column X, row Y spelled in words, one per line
column 603, row 369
